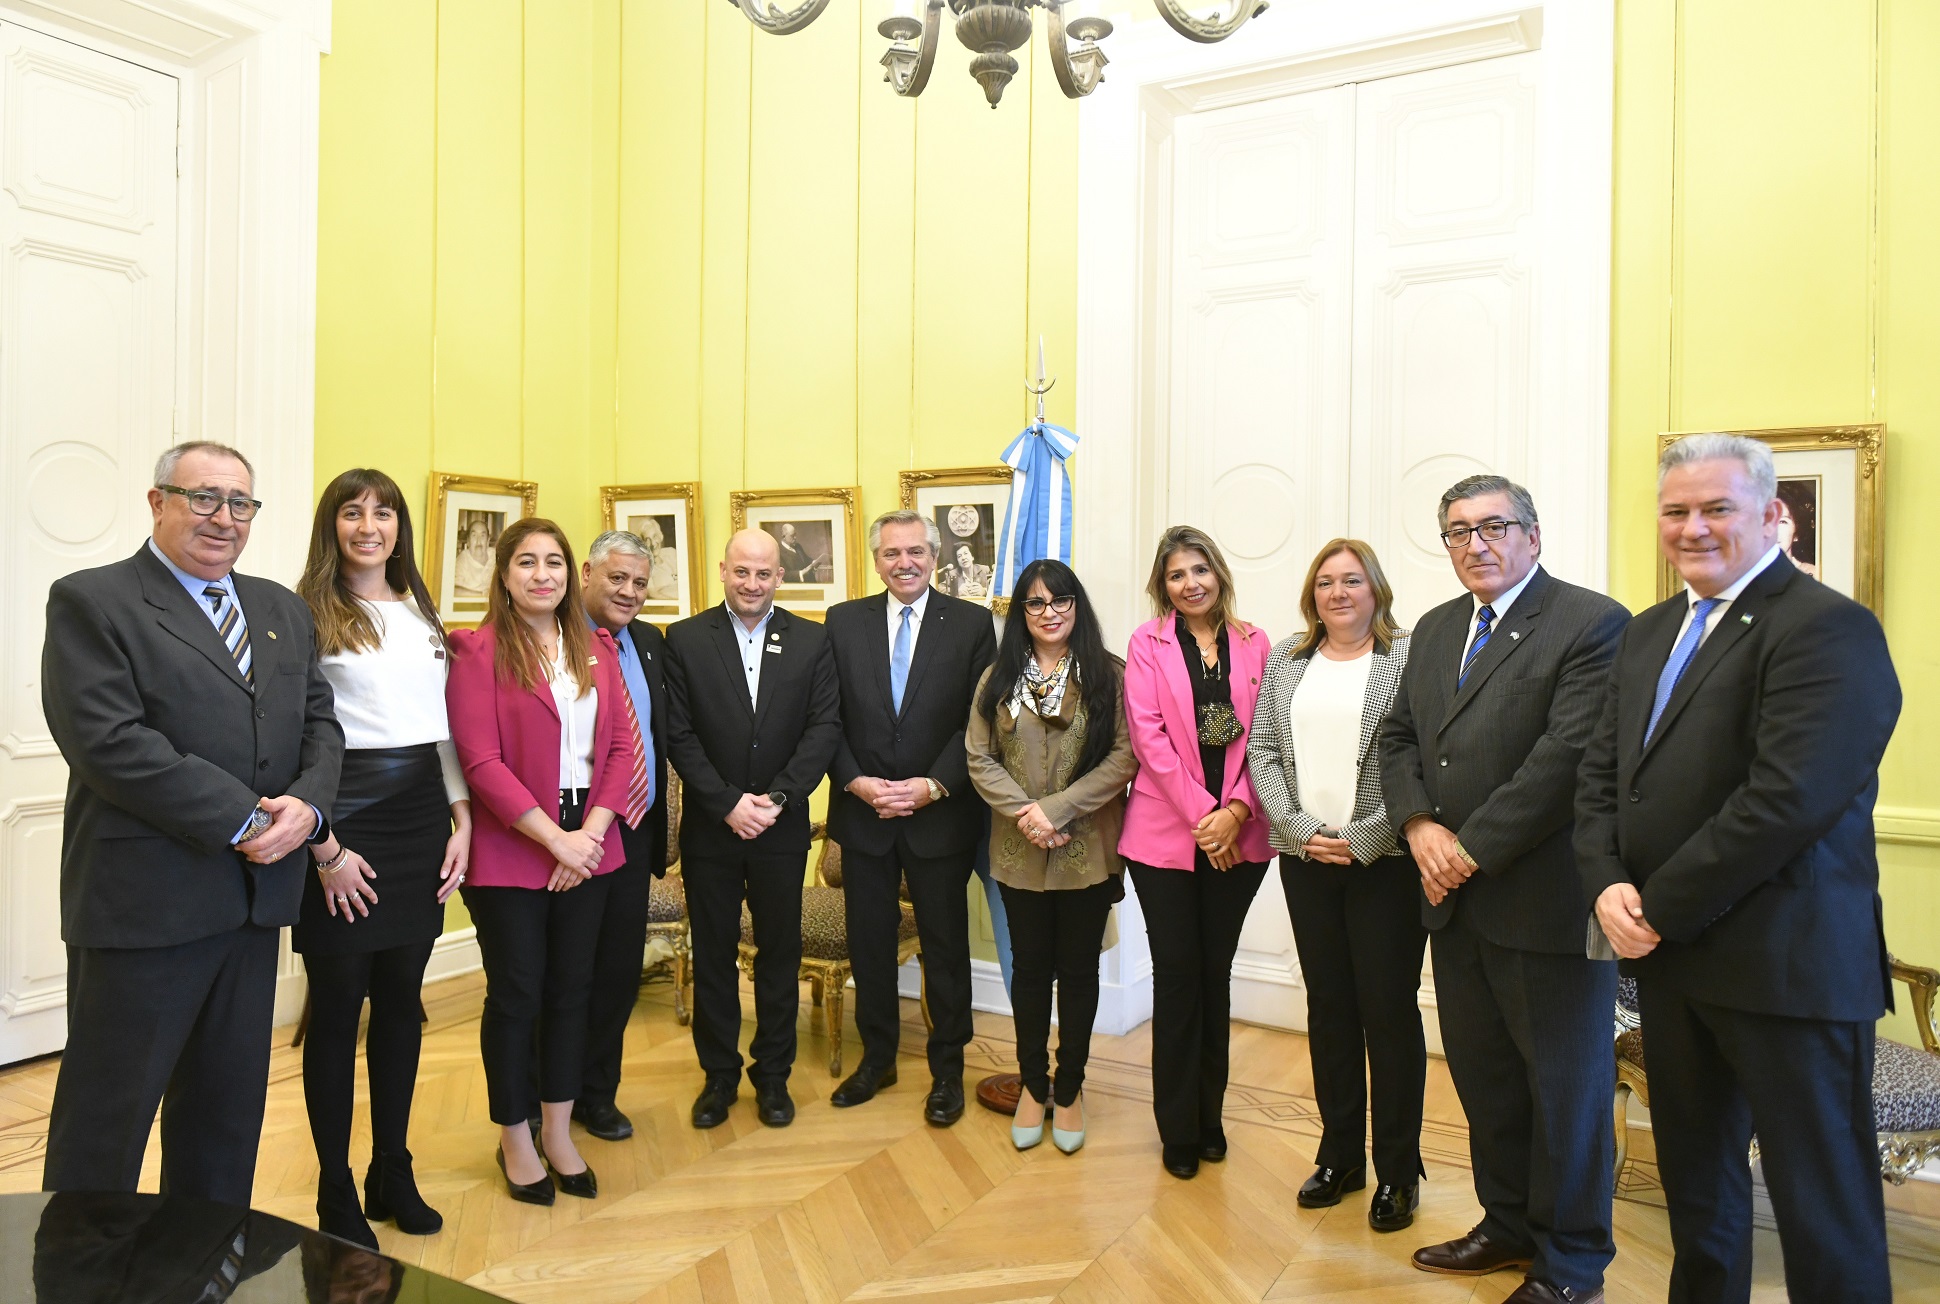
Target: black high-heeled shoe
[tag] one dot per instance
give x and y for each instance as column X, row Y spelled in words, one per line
column 582, row 1183
column 1180, row 1161
column 391, row 1195
column 338, row 1213
column 539, row 1192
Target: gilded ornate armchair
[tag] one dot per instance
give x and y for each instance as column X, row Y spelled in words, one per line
column 667, row 909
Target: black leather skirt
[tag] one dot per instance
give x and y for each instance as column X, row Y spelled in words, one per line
column 391, row 810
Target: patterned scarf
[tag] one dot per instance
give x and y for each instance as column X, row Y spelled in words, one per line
column 1040, row 694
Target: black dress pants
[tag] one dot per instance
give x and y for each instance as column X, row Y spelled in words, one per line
column 392, row 978
column 939, row 892
column 1359, row 935
column 617, row 959
column 185, row 1027
column 1193, row 920
column 1055, row 936
column 1529, row 1045
column 772, row 886
column 1805, row 1087
column 538, row 952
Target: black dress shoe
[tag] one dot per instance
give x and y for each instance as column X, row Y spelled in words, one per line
column 944, row 1105
column 1180, row 1161
column 1325, row 1188
column 539, row 1192
column 582, row 1183
column 712, row 1105
column 863, row 1084
column 338, row 1214
column 391, row 1195
column 1393, row 1207
column 1534, row 1290
column 1212, row 1146
column 602, row 1119
column 1473, row 1255
column 773, row 1105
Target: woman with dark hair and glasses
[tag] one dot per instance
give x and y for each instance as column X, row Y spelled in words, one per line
column 1049, row 750
column 402, row 822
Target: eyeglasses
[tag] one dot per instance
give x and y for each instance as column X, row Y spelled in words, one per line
column 1493, row 531
column 204, row 503
column 1062, row 606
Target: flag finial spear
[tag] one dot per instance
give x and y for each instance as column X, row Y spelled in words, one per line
column 1043, row 386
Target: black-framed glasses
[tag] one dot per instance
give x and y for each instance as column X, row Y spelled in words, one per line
column 1493, row 531
column 204, row 503
column 1061, row 605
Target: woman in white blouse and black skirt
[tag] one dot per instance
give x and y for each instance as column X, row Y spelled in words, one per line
column 400, row 838
column 1351, row 887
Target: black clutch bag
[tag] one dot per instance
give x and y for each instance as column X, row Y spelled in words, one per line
column 1218, row 725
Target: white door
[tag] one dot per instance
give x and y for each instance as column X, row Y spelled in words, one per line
column 1349, row 334
column 87, row 366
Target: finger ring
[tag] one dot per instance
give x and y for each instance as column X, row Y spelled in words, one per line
column 1216, row 847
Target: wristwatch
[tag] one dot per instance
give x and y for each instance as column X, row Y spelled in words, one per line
column 936, row 790
column 259, row 822
column 778, row 797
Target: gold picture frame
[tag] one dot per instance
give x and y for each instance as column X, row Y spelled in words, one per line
column 677, row 587
column 1831, row 480
column 463, row 510
column 967, row 503
column 819, row 536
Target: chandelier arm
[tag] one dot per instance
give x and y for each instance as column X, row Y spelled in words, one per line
column 908, row 77
column 1076, row 78
column 1202, row 30
column 777, row 22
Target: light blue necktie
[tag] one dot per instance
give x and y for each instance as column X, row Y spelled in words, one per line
column 1484, row 621
column 899, row 661
column 1680, row 661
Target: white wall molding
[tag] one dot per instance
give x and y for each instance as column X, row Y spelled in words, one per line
column 1907, row 826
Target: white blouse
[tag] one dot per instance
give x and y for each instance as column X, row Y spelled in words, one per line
column 578, row 722
column 393, row 695
column 1324, row 721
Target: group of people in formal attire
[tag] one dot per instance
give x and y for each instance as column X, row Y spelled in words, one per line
column 1528, row 785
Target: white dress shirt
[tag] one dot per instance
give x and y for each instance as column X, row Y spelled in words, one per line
column 895, row 616
column 1725, row 599
column 1501, row 607
column 393, row 695
column 752, row 642
column 578, row 722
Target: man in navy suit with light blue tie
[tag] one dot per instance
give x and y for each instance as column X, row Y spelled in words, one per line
column 1725, row 831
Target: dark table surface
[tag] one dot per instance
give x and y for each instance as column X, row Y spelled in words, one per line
column 73, row 1248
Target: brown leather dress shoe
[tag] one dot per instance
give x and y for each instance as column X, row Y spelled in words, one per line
column 1473, row 1255
column 1534, row 1290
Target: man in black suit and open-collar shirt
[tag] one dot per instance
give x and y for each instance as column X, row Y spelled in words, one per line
column 908, row 661
column 752, row 722
column 202, row 747
column 1478, row 762
column 1725, row 832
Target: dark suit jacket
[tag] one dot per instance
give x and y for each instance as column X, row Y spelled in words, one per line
column 925, row 739
column 646, row 846
column 168, row 748
column 723, row 749
column 1747, row 823
column 1496, row 761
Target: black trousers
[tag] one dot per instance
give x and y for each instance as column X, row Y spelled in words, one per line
column 1359, row 935
column 1805, row 1087
column 617, row 958
column 939, row 891
column 1529, row 1044
column 1193, row 920
column 538, row 952
column 338, row 984
column 1055, row 936
column 772, row 887
column 185, row 1027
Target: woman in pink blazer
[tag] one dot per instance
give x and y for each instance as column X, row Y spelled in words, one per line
column 540, row 720
column 1193, row 840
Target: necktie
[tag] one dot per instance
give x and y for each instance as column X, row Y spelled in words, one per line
column 1484, row 621
column 1680, row 661
column 231, row 628
column 899, row 661
column 639, row 789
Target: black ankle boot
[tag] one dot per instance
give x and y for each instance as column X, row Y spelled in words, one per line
column 338, row 1214
column 391, row 1195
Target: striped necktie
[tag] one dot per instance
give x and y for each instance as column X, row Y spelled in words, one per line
column 1681, row 657
column 639, row 789
column 1484, row 621
column 232, row 629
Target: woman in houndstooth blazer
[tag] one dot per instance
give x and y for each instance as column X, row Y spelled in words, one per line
column 1351, row 887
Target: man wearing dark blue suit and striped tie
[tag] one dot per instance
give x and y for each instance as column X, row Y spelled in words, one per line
column 1478, row 764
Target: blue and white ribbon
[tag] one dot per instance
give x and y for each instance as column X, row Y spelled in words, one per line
column 1037, row 523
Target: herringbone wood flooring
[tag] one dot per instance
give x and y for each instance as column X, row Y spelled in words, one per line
column 870, row 1203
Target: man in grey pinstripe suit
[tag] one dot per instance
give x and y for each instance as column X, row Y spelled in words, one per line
column 1478, row 762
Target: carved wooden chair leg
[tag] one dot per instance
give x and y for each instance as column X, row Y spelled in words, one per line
column 832, row 1011
column 683, row 976
column 815, row 990
column 923, row 994
column 1622, row 1121
column 303, row 1021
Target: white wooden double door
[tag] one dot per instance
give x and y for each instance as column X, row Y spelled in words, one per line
column 1349, row 332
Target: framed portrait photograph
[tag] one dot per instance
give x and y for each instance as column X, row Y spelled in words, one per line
column 1831, row 524
column 967, row 504
column 468, row 513
column 667, row 517
column 818, row 536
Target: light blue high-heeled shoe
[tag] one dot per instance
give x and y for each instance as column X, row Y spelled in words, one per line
column 1026, row 1137
column 1070, row 1142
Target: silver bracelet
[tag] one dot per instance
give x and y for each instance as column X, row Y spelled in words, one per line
column 343, row 854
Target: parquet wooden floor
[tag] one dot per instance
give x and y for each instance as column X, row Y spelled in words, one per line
column 872, row 1204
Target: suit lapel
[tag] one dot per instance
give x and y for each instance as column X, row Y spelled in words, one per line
column 1182, row 720
column 180, row 616
column 776, row 637
column 1381, row 680
column 1736, row 621
column 729, row 646
column 878, row 641
column 1508, row 635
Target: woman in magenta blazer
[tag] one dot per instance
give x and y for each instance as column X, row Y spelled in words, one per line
column 1193, row 840
column 540, row 719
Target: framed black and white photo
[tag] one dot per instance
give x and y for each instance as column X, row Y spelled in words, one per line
column 967, row 503
column 467, row 515
column 667, row 517
column 816, row 533
column 1832, row 526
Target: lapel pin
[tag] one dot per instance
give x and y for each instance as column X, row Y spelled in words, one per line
column 774, row 638
column 1743, row 620
column 271, row 633
column 1514, row 634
